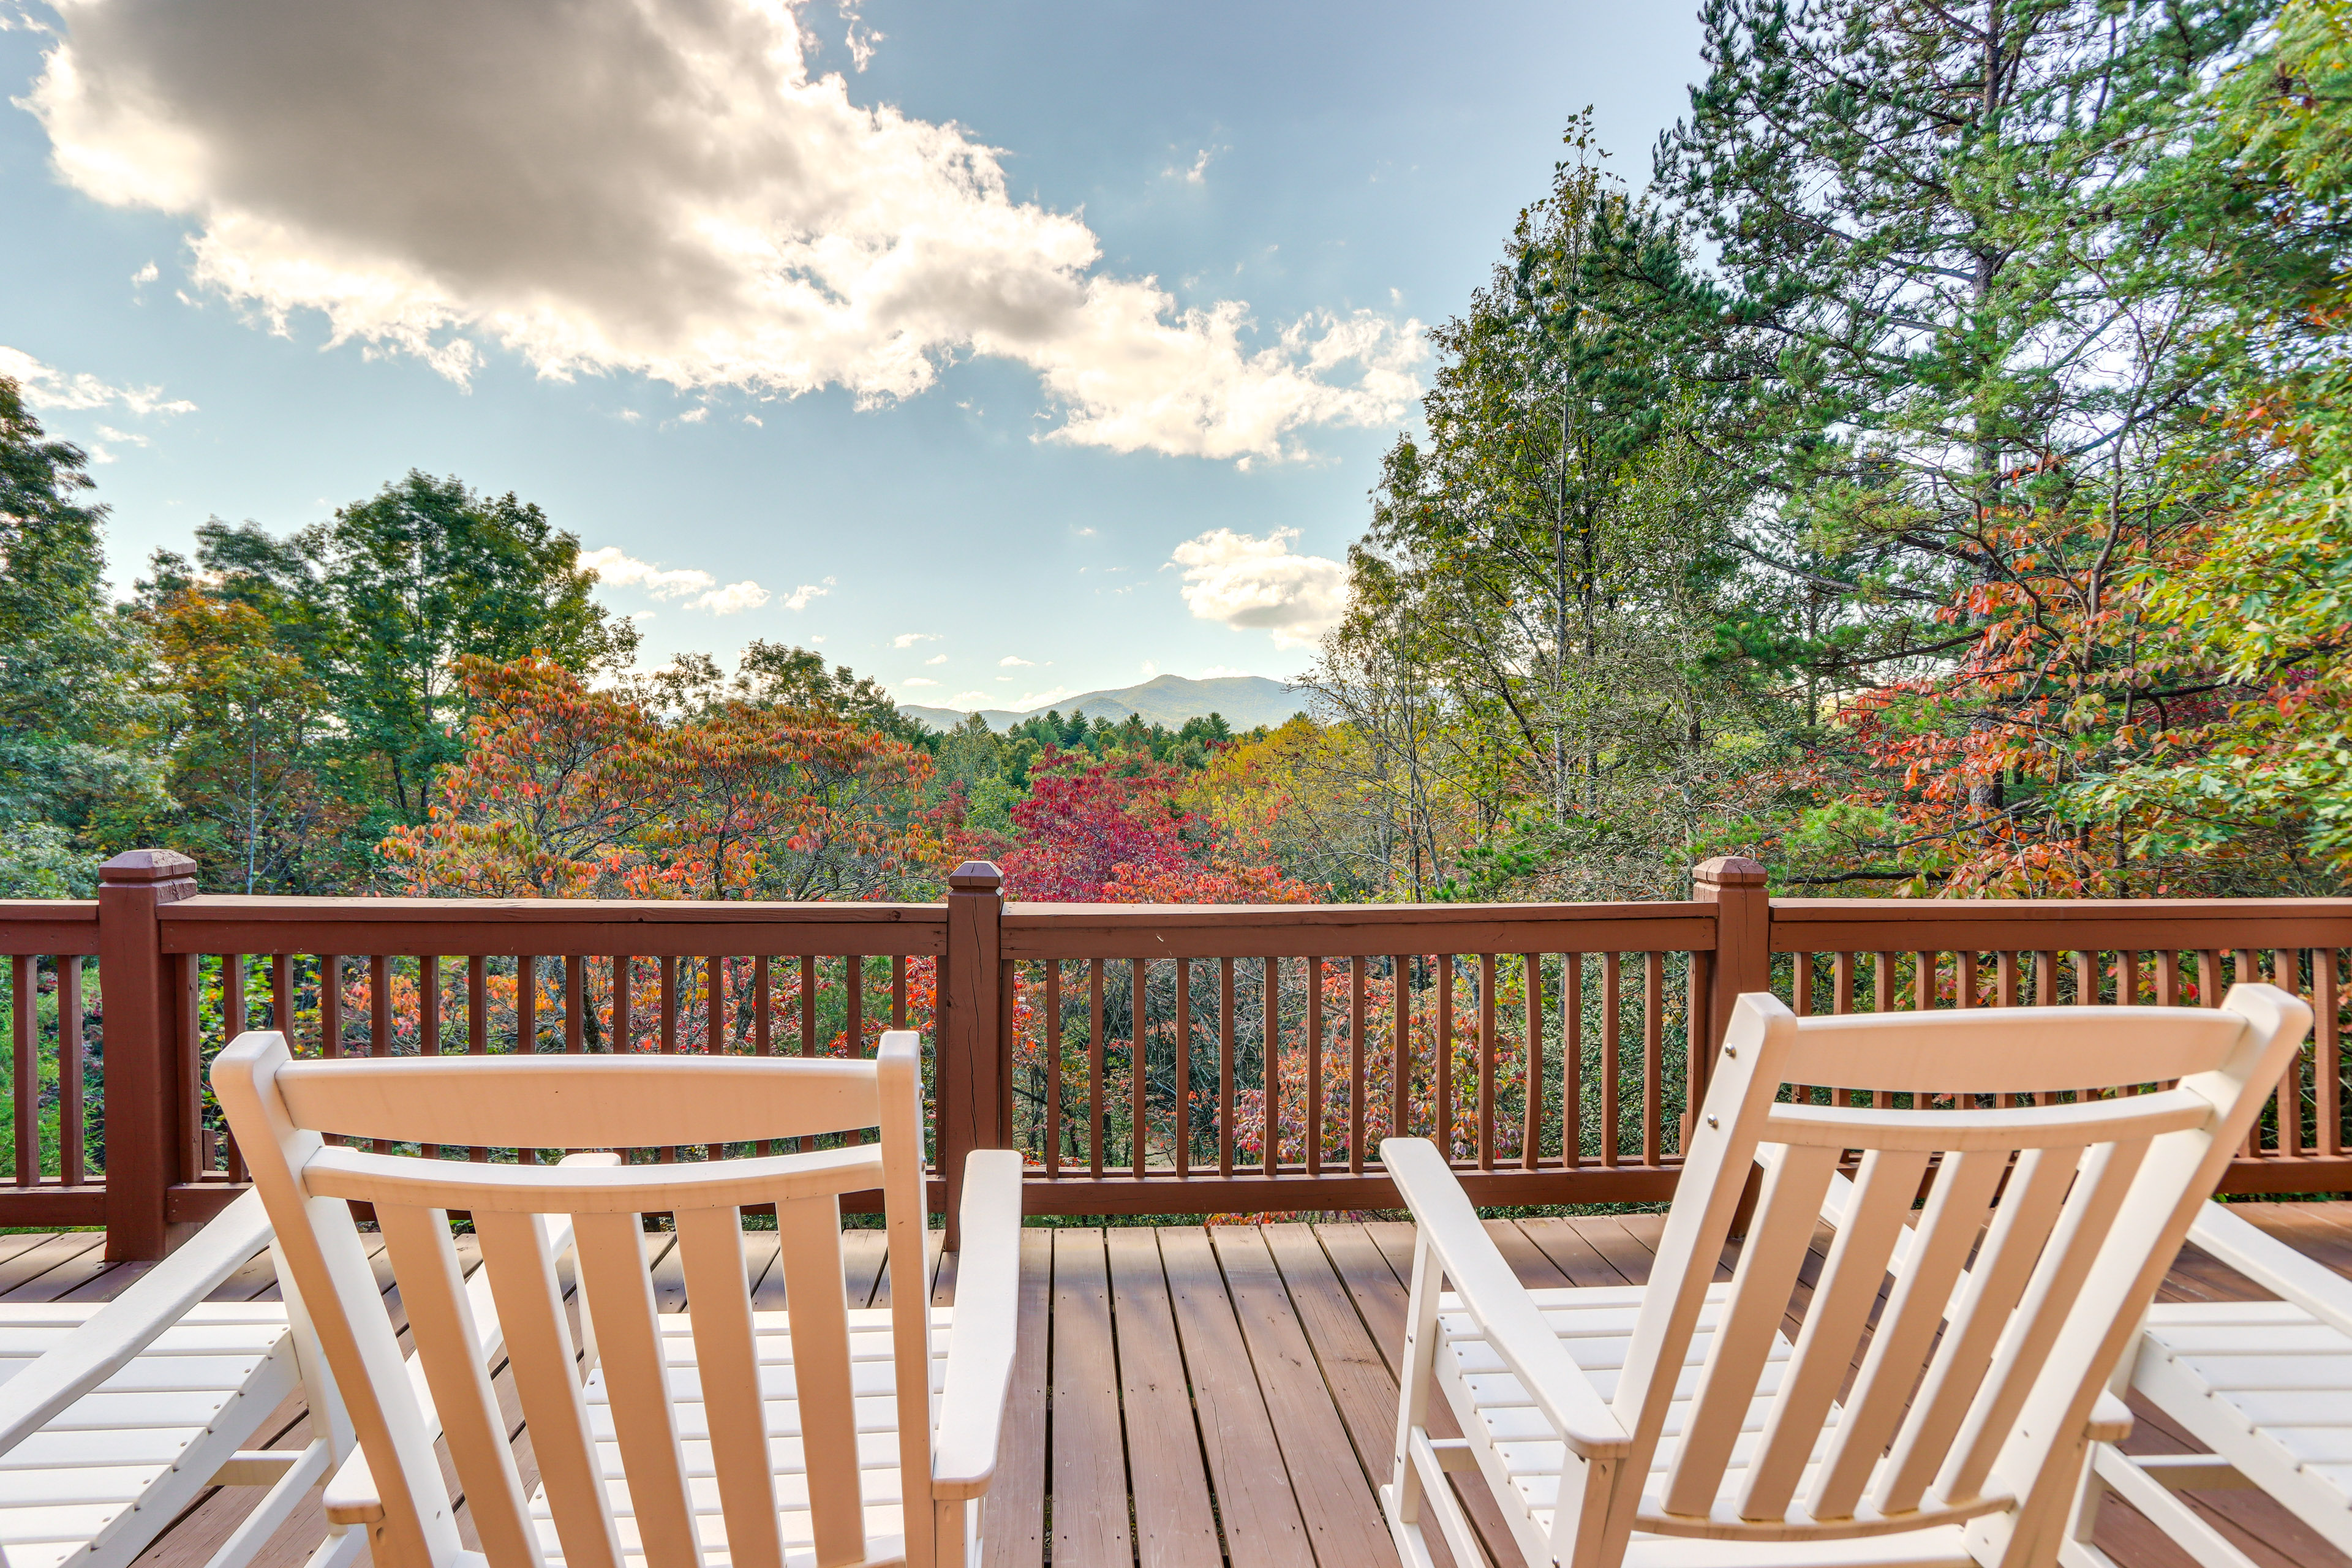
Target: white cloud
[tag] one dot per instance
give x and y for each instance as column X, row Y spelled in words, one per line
column 625, row 570
column 693, row 416
column 49, row 389
column 735, row 596
column 698, row 588
column 1036, row 699
column 147, row 274
column 919, row 680
column 661, row 189
column 937, row 659
column 754, row 420
column 1014, row 661
column 1221, row 671
column 1086, row 533
column 909, row 639
column 798, row 599
column 1258, row 585
column 972, row 699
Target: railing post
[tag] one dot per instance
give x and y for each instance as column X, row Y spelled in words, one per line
column 969, row 1068
column 141, row 1028
column 1742, row 959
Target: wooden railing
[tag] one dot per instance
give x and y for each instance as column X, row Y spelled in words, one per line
column 1162, row 1059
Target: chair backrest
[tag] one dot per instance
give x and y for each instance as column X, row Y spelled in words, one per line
column 283, row 1111
column 2045, row 1230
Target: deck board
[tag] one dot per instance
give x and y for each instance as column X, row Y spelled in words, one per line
column 1189, row 1397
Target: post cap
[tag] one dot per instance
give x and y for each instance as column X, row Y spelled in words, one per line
column 140, row 868
column 976, row 877
column 1729, row 871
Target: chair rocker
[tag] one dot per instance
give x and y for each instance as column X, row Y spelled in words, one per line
column 115, row 1417
column 1673, row 1426
column 720, row 1437
column 2266, row 1386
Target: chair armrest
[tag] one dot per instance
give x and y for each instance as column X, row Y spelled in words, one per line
column 352, row 1497
column 2273, row 1264
column 115, row 1334
column 983, row 1336
column 1498, row 1303
column 2111, row 1419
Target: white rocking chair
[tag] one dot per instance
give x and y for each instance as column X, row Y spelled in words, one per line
column 1672, row 1426
column 2266, row 1386
column 115, row 1417
column 716, row 1436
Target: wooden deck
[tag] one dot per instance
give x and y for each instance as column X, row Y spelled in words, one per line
column 1185, row 1397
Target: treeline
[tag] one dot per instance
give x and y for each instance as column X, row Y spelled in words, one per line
column 421, row 695
column 1932, row 482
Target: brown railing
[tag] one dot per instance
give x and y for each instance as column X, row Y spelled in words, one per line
column 1165, row 1059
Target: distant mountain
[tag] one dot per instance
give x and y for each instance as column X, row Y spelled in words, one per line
column 1245, row 701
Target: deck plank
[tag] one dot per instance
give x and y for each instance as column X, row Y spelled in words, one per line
column 1255, row 1498
column 1089, row 1485
column 1175, row 1526
column 1334, row 1491
column 1013, row 1527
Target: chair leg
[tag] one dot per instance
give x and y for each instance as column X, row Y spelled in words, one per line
column 1402, row 1497
column 2111, row 1469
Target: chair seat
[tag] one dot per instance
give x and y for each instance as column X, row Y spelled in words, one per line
column 874, row 1386
column 1595, row 1325
column 2266, row 1386
column 151, row 1436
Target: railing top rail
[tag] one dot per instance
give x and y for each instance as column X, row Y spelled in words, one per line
column 1346, row 931
column 554, row 927
column 49, row 927
column 1865, row 925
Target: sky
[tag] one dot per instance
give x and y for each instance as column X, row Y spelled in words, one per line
column 999, row 351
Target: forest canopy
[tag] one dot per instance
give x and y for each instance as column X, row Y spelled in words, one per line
column 1929, row 479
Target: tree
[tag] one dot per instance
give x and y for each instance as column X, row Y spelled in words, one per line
column 428, row 573
column 75, row 772
column 1973, row 343
column 255, row 809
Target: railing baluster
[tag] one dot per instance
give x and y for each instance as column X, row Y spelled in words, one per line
column 669, row 1025
column 1095, row 1067
column 1314, row 1067
column 853, row 973
column 575, row 997
column 624, row 977
column 1653, row 1056
column 1182, row 1142
column 1051, row 1048
column 1401, row 1046
column 1226, row 1066
column 232, row 996
column 1572, row 1060
column 1139, row 1138
column 1531, row 1129
column 898, row 991
column 331, row 1005
column 1442, row 1087
column 1613, row 1021
column 2168, row 977
column 478, row 1021
column 70, row 1151
column 763, row 1023
column 714, row 1030
column 1356, row 1065
column 281, row 995
column 2005, row 979
column 26, row 997
column 808, row 1024
column 2327, row 1066
column 1269, row 1131
column 1485, row 1061
column 428, row 1036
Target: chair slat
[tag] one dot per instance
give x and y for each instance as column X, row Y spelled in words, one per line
column 718, row 1297
column 1947, row 1229
column 2101, row 1184
column 618, row 1292
column 1834, row 1321
column 432, row 1288
column 539, row 1349
column 810, row 1234
column 1786, row 1213
column 2020, row 1229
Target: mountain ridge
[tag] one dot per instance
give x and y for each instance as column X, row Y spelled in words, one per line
column 1244, row 701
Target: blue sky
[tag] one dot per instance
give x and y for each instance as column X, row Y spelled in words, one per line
column 1072, row 366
